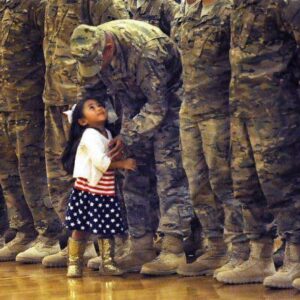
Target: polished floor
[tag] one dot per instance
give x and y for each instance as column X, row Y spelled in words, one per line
column 30, row 282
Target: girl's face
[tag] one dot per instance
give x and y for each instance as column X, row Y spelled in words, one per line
column 94, row 114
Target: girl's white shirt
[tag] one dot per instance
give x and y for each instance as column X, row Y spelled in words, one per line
column 91, row 160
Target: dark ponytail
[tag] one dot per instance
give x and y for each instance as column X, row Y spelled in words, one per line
column 76, row 132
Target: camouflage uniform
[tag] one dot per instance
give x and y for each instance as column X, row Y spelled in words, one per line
column 204, row 118
column 23, row 174
column 61, row 87
column 265, row 118
column 144, row 76
column 265, row 132
column 158, row 12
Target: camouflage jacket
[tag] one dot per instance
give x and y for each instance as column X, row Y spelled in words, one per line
column 204, row 42
column 263, row 58
column 62, row 17
column 142, row 75
column 155, row 12
column 21, row 55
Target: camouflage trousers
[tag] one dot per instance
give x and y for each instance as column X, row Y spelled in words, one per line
column 56, row 136
column 159, row 178
column 266, row 174
column 23, row 174
column 206, row 160
column 3, row 214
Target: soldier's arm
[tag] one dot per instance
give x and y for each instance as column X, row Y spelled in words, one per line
column 102, row 11
column 37, row 14
column 152, row 81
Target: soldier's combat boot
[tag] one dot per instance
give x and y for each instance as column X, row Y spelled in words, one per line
column 19, row 244
column 10, row 234
column 41, row 248
column 239, row 253
column 108, row 266
column 290, row 270
column 141, row 251
column 94, row 263
column 60, row 259
column 157, row 242
column 75, row 258
column 170, row 257
column 278, row 255
column 122, row 245
column 259, row 265
column 296, row 284
column 214, row 257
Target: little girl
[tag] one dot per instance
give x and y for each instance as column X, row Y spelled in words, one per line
column 93, row 206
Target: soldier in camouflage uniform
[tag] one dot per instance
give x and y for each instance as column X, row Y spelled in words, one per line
column 159, row 13
column 23, row 173
column 265, row 130
column 141, row 66
column 205, row 133
column 62, row 90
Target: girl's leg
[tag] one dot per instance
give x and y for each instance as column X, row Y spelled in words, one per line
column 108, row 266
column 80, row 235
column 76, row 248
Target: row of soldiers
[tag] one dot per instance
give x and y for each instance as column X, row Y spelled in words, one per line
column 239, row 127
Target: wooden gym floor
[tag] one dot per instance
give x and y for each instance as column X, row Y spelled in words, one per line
column 31, row 282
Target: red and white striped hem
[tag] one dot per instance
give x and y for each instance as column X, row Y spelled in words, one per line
column 104, row 187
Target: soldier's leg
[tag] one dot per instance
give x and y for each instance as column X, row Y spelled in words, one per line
column 215, row 134
column 20, row 216
column 205, row 202
column 276, row 147
column 138, row 194
column 56, row 136
column 276, row 144
column 59, row 183
column 32, row 170
column 258, row 221
column 175, row 205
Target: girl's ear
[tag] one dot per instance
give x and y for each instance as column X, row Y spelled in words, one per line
column 83, row 122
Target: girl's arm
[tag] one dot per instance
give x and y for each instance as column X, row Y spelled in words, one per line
column 127, row 164
column 96, row 151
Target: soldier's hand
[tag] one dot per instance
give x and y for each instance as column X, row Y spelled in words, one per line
column 116, row 147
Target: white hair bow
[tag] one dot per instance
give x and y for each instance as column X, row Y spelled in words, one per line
column 69, row 113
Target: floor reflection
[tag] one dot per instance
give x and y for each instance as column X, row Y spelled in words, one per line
column 34, row 282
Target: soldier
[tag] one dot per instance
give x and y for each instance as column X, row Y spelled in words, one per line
column 205, row 133
column 61, row 90
column 265, row 132
column 140, row 65
column 23, row 172
column 159, row 13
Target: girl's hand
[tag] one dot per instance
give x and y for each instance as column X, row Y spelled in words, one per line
column 130, row 164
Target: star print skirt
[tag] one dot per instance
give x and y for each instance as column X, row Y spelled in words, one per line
column 96, row 214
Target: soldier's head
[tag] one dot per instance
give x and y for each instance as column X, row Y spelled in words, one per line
column 93, row 48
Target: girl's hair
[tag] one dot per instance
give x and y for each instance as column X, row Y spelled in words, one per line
column 76, row 132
